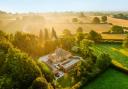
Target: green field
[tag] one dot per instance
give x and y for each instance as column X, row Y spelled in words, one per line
column 115, row 51
column 111, row 79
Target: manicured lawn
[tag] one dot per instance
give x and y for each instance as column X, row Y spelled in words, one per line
column 115, row 50
column 111, row 79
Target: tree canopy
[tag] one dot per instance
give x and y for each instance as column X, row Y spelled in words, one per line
column 104, row 19
column 96, row 20
column 117, row 29
column 94, row 36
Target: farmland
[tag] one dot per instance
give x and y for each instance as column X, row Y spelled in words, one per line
column 110, row 79
column 115, row 51
column 59, row 21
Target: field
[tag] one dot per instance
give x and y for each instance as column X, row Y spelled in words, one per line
column 115, row 51
column 111, row 79
column 119, row 22
column 59, row 21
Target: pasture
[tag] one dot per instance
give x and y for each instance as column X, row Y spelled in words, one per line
column 115, row 51
column 110, row 79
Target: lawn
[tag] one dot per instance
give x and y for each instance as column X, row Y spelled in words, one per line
column 115, row 51
column 111, row 79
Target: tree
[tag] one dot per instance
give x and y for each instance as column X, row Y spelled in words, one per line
column 21, row 68
column 80, row 29
column 80, row 36
column 94, row 36
column 4, row 48
column 117, row 29
column 41, row 36
column 50, row 45
column 67, row 32
column 6, row 82
column 104, row 19
column 67, row 42
column 103, row 61
column 3, row 36
column 96, row 20
column 120, row 16
column 48, row 74
column 54, row 34
column 74, row 20
column 46, row 34
column 28, row 43
column 125, row 42
column 85, row 49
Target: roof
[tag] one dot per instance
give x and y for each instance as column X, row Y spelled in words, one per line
column 44, row 58
column 59, row 52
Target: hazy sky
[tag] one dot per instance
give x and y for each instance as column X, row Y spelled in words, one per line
column 63, row 5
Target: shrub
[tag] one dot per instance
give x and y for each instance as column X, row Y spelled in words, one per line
column 40, row 83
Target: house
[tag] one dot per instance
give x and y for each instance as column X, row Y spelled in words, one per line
column 60, row 61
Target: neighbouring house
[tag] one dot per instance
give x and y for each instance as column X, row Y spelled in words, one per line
column 60, row 61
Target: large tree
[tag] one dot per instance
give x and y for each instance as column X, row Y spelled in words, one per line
column 104, row 19
column 85, row 45
column 103, row 61
column 67, row 42
column 21, row 68
column 28, row 43
column 96, row 37
column 96, row 20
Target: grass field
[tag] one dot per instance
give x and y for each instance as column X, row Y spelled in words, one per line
column 115, row 51
column 111, row 79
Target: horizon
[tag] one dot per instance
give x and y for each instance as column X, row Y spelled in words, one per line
column 62, row 6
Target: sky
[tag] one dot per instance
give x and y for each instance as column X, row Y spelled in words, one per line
column 62, row 5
